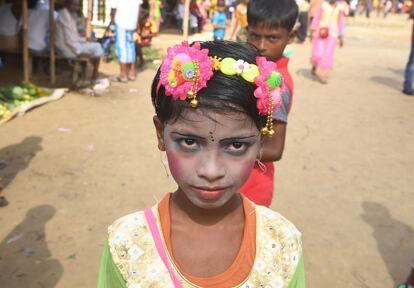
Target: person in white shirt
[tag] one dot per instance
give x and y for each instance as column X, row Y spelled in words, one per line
column 69, row 43
column 124, row 14
column 38, row 30
column 38, row 25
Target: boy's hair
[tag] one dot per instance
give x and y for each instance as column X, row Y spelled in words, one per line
column 223, row 94
column 273, row 13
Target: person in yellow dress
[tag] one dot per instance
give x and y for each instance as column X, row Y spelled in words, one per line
column 239, row 31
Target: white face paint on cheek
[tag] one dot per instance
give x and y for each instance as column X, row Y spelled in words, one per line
column 173, row 163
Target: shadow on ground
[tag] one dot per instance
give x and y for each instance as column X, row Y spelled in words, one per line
column 306, row 73
column 389, row 82
column 399, row 72
column 25, row 259
column 395, row 239
column 15, row 158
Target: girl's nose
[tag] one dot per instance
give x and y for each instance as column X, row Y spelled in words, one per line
column 211, row 168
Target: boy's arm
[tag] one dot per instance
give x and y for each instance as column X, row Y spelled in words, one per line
column 273, row 147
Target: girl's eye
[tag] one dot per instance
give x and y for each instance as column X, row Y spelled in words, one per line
column 237, row 147
column 188, row 143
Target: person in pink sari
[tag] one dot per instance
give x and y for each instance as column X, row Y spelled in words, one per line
column 327, row 28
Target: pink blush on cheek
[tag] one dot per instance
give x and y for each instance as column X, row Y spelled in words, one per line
column 173, row 163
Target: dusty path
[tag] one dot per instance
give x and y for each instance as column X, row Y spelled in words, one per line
column 345, row 179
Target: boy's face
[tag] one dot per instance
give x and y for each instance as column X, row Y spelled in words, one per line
column 210, row 155
column 271, row 42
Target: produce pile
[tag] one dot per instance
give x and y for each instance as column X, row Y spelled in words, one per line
column 13, row 96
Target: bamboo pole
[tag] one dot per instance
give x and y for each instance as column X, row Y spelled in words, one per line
column 186, row 19
column 52, row 55
column 25, row 16
column 89, row 19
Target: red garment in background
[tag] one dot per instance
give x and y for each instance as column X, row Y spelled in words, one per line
column 260, row 185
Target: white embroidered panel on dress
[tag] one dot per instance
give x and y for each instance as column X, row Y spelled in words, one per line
column 278, row 243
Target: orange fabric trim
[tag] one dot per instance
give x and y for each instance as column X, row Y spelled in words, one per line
column 242, row 265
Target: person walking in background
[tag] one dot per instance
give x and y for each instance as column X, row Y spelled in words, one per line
column 303, row 20
column 204, row 7
column 315, row 5
column 195, row 11
column 155, row 15
column 219, row 21
column 408, row 75
column 240, row 26
column 124, row 14
column 327, row 27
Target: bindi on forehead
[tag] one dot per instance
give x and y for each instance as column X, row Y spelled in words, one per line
column 211, row 136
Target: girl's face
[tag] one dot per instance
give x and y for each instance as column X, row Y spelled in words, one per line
column 210, row 155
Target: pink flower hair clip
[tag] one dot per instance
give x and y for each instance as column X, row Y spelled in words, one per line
column 268, row 92
column 186, row 71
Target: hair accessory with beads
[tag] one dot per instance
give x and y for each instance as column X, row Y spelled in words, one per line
column 186, row 70
column 268, row 92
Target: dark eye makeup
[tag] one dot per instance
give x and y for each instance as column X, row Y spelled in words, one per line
column 232, row 146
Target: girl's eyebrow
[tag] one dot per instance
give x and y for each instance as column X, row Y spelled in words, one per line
column 188, row 135
column 238, row 138
column 221, row 140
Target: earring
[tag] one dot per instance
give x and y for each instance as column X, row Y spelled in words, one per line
column 164, row 164
column 261, row 165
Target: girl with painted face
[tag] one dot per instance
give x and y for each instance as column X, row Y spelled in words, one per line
column 213, row 103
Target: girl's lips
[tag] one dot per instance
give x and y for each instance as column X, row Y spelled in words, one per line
column 210, row 193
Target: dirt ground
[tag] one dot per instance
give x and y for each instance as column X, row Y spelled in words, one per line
column 346, row 178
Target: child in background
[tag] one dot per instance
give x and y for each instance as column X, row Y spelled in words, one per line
column 240, row 26
column 145, row 38
column 107, row 41
column 327, row 28
column 205, row 234
column 219, row 21
column 270, row 30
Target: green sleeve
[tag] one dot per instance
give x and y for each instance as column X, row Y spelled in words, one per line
column 109, row 275
column 298, row 279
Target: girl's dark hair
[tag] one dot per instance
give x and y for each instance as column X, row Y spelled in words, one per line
column 273, row 13
column 223, row 93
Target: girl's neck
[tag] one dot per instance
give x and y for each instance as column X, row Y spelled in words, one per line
column 181, row 204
